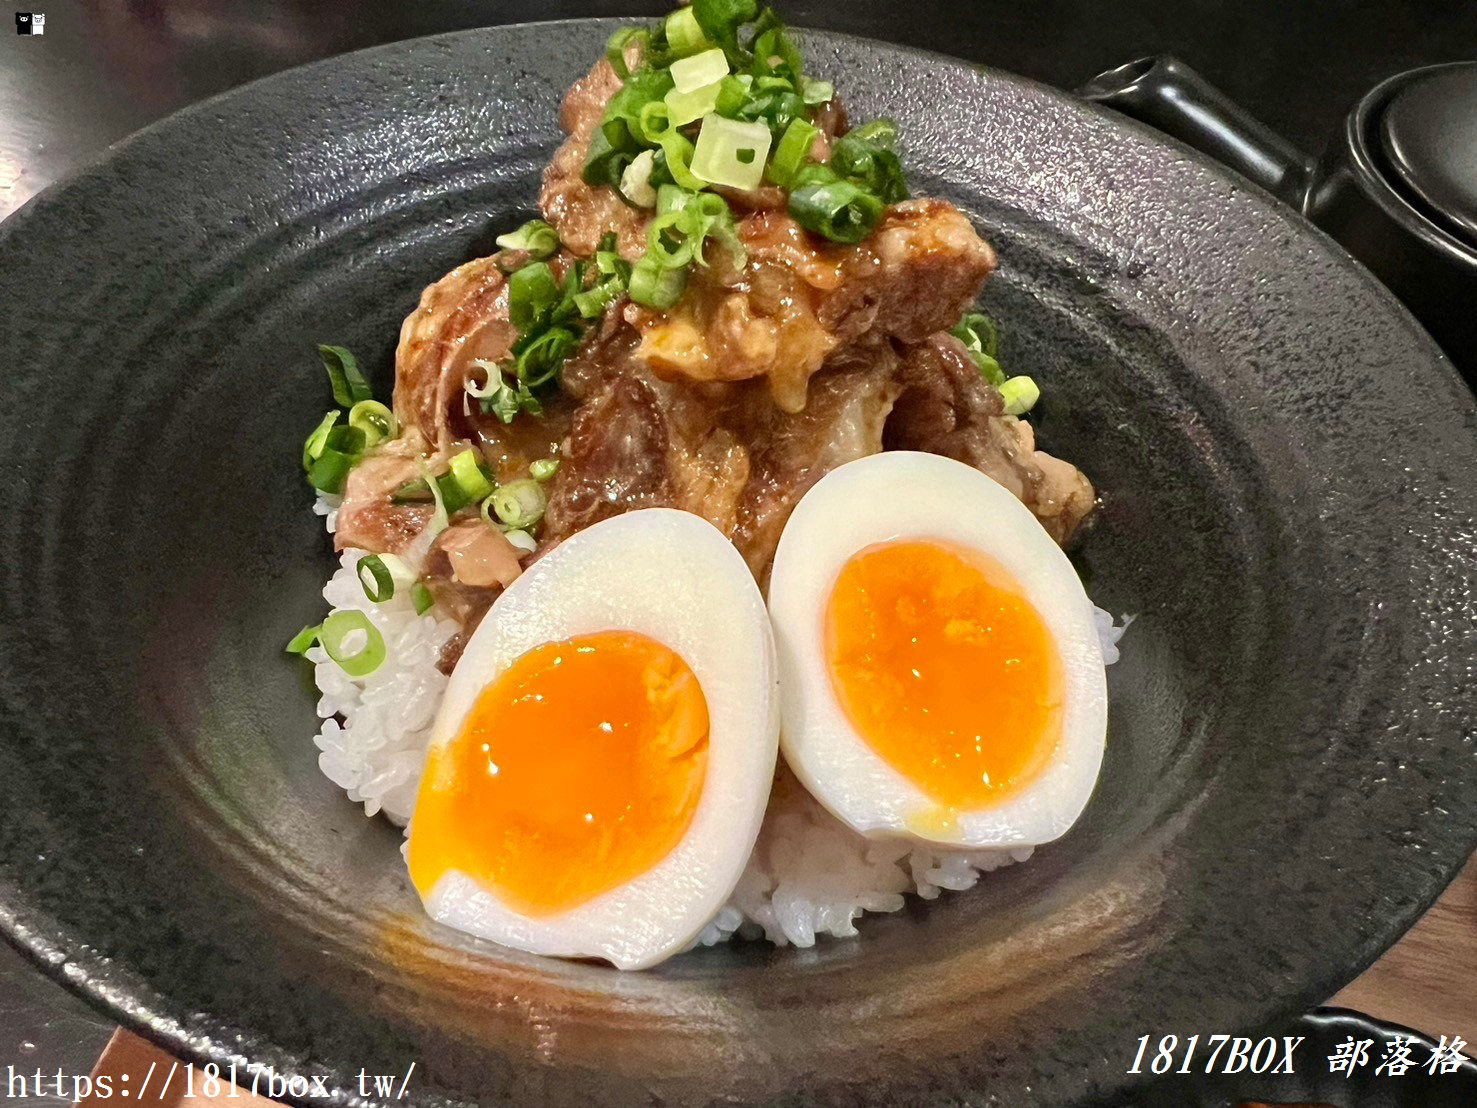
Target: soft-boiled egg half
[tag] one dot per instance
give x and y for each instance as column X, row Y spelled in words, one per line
column 942, row 672
column 600, row 765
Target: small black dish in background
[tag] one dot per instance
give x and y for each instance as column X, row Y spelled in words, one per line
column 1397, row 188
column 1312, row 1085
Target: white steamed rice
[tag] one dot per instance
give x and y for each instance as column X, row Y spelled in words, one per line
column 810, row 874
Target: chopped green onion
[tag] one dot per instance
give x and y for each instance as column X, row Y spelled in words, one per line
column 539, row 360
column 313, row 447
column 838, row 210
column 773, row 107
column 684, row 33
column 1020, row 395
column 400, row 573
column 342, row 448
column 522, row 540
column 792, row 150
column 535, row 236
column 677, row 155
column 304, row 639
column 978, row 334
column 654, row 121
column 816, row 93
column 606, row 161
column 593, row 301
column 412, row 492
column 532, row 291
column 865, row 157
column 615, row 48
column 721, row 19
column 493, row 382
column 685, row 107
column 655, row 287
column 880, row 132
column 466, row 471
column 379, row 586
column 671, row 198
column 636, row 181
column 729, row 152
column 440, row 518
column 732, row 92
column 699, row 71
column 421, row 598
column 660, row 241
column 519, row 505
column 375, row 420
column 775, row 54
column 349, row 385
column 338, row 630
column 543, row 468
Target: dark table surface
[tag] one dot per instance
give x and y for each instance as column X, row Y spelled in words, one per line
column 105, row 68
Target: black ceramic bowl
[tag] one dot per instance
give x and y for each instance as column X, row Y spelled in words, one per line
column 1289, row 476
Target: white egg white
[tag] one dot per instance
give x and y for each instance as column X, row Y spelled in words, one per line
column 671, row 576
column 905, row 495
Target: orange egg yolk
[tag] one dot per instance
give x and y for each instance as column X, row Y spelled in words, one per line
column 945, row 669
column 576, row 770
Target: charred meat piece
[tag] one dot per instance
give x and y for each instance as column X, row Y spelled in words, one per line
column 945, row 407
column 583, row 213
column 368, row 517
column 800, row 299
column 462, row 317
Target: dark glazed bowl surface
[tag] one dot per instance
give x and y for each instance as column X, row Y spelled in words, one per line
column 1289, row 474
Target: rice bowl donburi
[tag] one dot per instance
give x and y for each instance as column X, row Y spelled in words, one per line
column 715, row 458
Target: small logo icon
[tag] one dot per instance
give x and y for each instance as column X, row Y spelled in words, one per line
column 30, row 23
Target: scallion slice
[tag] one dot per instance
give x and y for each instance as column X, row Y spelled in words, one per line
column 493, row 382
column 338, row 633
column 615, row 48
column 421, row 598
column 342, row 448
column 349, row 385
column 816, row 93
column 677, row 153
column 791, row 151
column 732, row 92
column 522, row 540
column 543, row 468
column 654, row 121
column 838, row 210
column 315, row 443
column 684, row 34
column 721, row 19
column 466, row 471
column 378, row 585
column 532, row 291
column 636, row 180
column 669, row 238
column 375, row 420
column 536, row 237
column 699, row 71
column 440, row 518
column 655, row 287
column 978, row 334
column 1020, row 395
column 730, row 152
column 304, row 639
column 593, row 301
column 684, row 107
column 519, row 505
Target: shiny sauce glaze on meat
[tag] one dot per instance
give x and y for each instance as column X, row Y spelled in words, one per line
column 770, row 371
